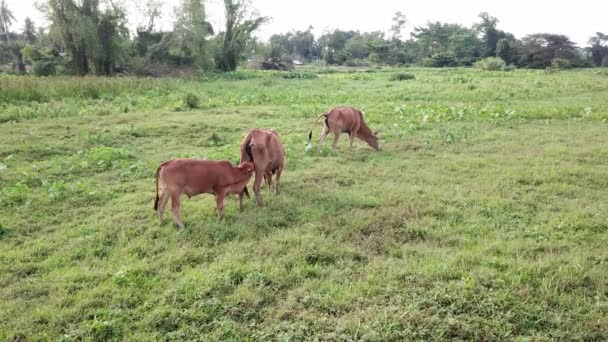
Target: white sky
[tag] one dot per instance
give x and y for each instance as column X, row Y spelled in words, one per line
column 579, row 20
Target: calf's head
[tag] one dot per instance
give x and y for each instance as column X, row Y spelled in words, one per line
column 247, row 167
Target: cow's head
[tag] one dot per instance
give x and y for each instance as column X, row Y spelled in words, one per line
column 372, row 140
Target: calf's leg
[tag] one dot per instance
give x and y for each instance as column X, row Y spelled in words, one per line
column 219, row 205
column 175, row 210
column 162, row 202
column 323, row 136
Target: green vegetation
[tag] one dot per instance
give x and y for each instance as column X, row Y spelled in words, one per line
column 96, row 37
column 484, row 217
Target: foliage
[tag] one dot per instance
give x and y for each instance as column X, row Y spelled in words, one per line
column 92, row 35
column 302, row 75
column 402, row 76
column 491, row 64
column 192, row 101
column 456, row 230
column 240, row 25
column 539, row 50
column 599, row 49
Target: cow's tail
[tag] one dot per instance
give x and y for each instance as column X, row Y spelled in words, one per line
column 246, row 149
column 157, row 175
column 313, row 125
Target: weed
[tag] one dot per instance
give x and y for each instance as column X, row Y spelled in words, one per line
column 192, row 101
column 402, row 76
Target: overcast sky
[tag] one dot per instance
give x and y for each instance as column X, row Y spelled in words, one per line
column 579, row 19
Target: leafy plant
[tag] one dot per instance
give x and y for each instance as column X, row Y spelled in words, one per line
column 402, row 76
column 491, row 64
column 192, row 101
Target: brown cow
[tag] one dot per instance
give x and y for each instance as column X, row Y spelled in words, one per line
column 346, row 120
column 264, row 149
column 193, row 177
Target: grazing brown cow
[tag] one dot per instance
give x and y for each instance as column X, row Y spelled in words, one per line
column 193, row 177
column 264, row 149
column 346, row 120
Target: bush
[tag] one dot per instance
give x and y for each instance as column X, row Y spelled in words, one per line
column 356, row 62
column 192, row 101
column 303, row 75
column 44, row 68
column 491, row 64
column 402, row 76
column 439, row 60
column 560, row 63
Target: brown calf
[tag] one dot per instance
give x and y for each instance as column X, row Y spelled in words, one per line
column 193, row 177
column 346, row 120
column 264, row 149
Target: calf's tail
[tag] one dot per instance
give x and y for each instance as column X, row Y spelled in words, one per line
column 313, row 125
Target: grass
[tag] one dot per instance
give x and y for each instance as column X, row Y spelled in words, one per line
column 484, row 217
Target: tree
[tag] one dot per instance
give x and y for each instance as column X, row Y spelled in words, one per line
column 399, row 22
column 6, row 20
column 91, row 33
column 190, row 34
column 539, row 50
column 487, row 27
column 441, row 44
column 599, row 49
column 240, row 24
column 29, row 31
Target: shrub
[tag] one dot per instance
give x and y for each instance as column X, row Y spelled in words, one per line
column 402, row 76
column 192, row 101
column 439, row 60
column 303, row 75
column 356, row 62
column 44, row 68
column 560, row 63
column 491, row 64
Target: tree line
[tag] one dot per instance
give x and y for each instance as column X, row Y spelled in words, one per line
column 92, row 36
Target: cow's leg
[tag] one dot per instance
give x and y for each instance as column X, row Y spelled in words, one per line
column 351, row 137
column 335, row 143
column 259, row 175
column 162, row 202
column 277, row 179
column 323, row 136
column 219, row 205
column 268, row 177
column 175, row 209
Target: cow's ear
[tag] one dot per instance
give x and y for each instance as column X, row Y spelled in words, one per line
column 376, row 132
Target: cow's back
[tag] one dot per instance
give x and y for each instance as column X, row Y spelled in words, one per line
column 345, row 118
column 266, row 147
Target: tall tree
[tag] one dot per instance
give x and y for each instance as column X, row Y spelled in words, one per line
column 399, row 22
column 539, row 50
column 240, row 25
column 487, row 27
column 599, row 49
column 6, row 20
column 191, row 32
column 29, row 31
column 92, row 32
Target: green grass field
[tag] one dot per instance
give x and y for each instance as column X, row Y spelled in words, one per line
column 484, row 217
